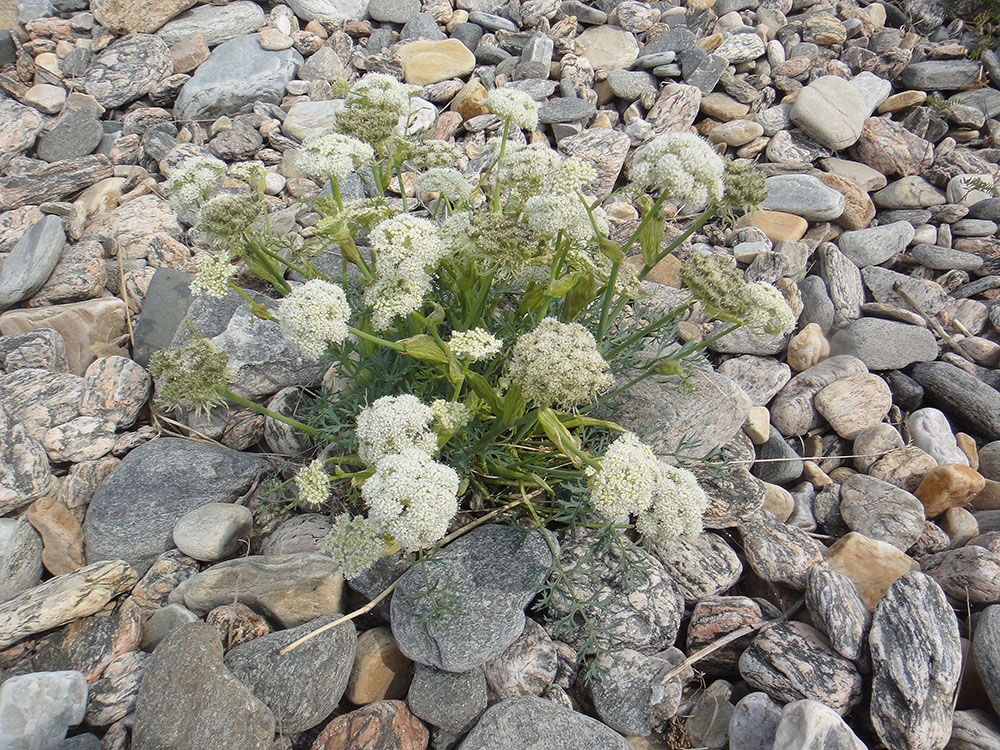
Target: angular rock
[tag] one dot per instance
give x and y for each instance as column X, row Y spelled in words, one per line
column 890, row 148
column 881, row 511
column 20, row 557
column 630, row 693
column 779, row 553
column 127, row 70
column 605, row 150
column 838, row 611
column 830, row 110
column 854, row 404
column 52, row 181
column 24, row 465
column 792, row 411
column 188, row 700
column 528, row 666
column 19, row 126
column 810, row 724
column 494, row 572
column 916, row 664
column 301, row 687
column 37, row 709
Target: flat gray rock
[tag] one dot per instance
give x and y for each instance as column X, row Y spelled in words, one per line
column 882, row 282
column 945, row 258
column 881, row 511
column 700, row 566
column 529, row 723
column 884, row 344
column 939, row 75
column 916, row 663
column 870, row 247
column 448, row 700
column 838, row 611
column 31, row 262
column 132, row 514
column 304, row 686
column 127, row 69
column 20, row 557
column 334, row 11
column 494, row 571
column 189, row 701
column 216, row 23
column 77, row 133
column 961, row 395
column 803, row 195
column 237, row 72
column 630, row 693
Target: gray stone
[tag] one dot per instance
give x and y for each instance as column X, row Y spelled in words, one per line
column 289, row 589
column 882, row 283
column 424, row 26
column 530, row 722
column 40, row 399
column 36, row 709
column 777, row 462
column 843, row 283
column 630, row 694
column 884, row 344
column 792, row 661
column 837, row 610
column 334, row 11
column 986, row 652
column 754, row 722
column 20, row 557
column 132, row 514
column 945, row 258
column 747, row 341
column 672, row 409
column 605, row 149
column 163, row 309
column 700, row 566
column 395, row 11
column 32, row 261
column 494, row 571
column 970, row 573
column 77, row 133
column 189, row 701
column 304, row 686
column 448, row 700
column 974, row 729
column 939, row 75
column 24, row 465
column 911, row 192
column 740, row 48
column 817, row 307
column 989, row 460
column 870, row 247
column 127, row 70
column 584, row 13
column 490, row 21
column 831, row 111
column 916, row 663
column 703, row 70
column 792, row 411
column 566, row 109
column 810, row 725
column 213, row 531
column 630, row 84
column 759, row 377
column 164, row 621
column 779, row 553
column 881, row 511
column 238, row 72
column 529, row 666
column 961, row 395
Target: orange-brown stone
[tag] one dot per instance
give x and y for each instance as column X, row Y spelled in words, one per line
column 949, row 486
column 378, row 726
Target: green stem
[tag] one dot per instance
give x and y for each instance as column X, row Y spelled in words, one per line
column 698, row 223
column 364, row 335
column 335, row 189
column 495, row 199
column 228, row 394
column 647, row 330
column 402, row 188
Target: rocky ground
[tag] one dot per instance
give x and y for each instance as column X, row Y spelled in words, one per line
column 147, row 584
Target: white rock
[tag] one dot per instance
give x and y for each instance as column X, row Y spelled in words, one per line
column 831, row 111
column 931, row 432
column 36, row 709
column 961, row 190
column 810, row 725
column 873, row 90
column 308, row 118
column 422, row 115
column 329, row 10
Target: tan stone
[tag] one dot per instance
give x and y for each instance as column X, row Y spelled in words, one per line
column 967, row 444
column 902, row 100
column 130, row 16
column 84, row 325
column 871, row 565
column 189, row 52
column 808, row 347
column 904, row 467
column 468, row 101
column 758, row 425
column 960, row 525
column 9, row 15
column 380, row 671
column 949, row 486
column 430, row 62
column 723, row 107
column 854, row 404
column 778, row 501
column 777, row 225
column 859, row 210
column 665, row 272
column 62, row 537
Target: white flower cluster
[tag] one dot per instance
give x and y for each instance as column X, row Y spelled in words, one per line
column 313, row 484
column 354, row 543
column 251, row 172
column 665, row 501
column 393, row 424
column 332, row 155
column 474, row 345
column 412, row 498
column 515, row 105
column 449, row 183
column 382, row 92
column 558, row 363
column 552, row 213
column 769, row 310
column 406, row 250
column 450, row 415
column 314, row 316
column 193, row 180
column 433, row 153
column 214, row 272
column 683, row 165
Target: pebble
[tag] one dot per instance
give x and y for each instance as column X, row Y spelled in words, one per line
column 854, row 403
column 382, row 724
column 962, row 395
column 970, row 573
column 792, row 411
column 380, row 671
column 948, row 486
column 809, row 724
column 31, row 261
column 803, row 195
column 838, row 610
column 779, row 553
column 700, row 566
column 754, row 722
column 831, row 111
column 213, row 531
column 529, row 666
column 874, row 246
column 881, row 511
column 930, row 431
column 630, row 694
column 427, row 62
column 608, row 47
column 871, row 565
column 448, row 700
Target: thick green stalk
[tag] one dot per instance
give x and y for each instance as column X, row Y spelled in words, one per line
column 228, row 394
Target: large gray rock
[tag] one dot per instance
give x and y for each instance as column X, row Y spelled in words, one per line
column 31, row 262
column 529, row 723
column 334, row 11
column 20, row 557
column 961, row 395
column 289, row 589
column 705, row 409
column 881, row 511
column 803, row 195
column 884, row 344
column 132, row 514
column 916, row 664
column 217, row 24
column 810, row 725
column 869, row 247
column 939, row 75
column 831, row 111
column 630, row 693
column 492, row 573
column 301, row 687
column 237, row 72
column 189, row 701
column 163, row 308
column 986, row 652
column 127, row 70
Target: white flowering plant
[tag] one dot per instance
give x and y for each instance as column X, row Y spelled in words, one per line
column 478, row 308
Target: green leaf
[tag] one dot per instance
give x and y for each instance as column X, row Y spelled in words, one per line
column 425, row 348
column 482, row 388
column 513, row 405
column 611, row 249
column 650, row 239
column 561, row 286
column 579, row 296
column 669, row 367
column 556, row 431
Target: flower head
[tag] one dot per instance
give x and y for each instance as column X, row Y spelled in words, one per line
column 412, row 498
column 393, row 424
column 214, row 272
column 558, row 363
column 190, row 377
column 499, row 242
column 769, row 311
column 474, row 345
column 683, row 165
column 716, row 284
column 229, row 214
column 450, row 415
column 252, row 172
column 406, row 244
column 551, row 213
column 314, row 316
column 433, row 153
column 745, row 188
column 193, row 180
column 449, row 183
column 313, row 483
column 395, row 296
column 333, row 155
column 381, row 91
column 517, row 106
column 354, row 544
column 678, row 504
